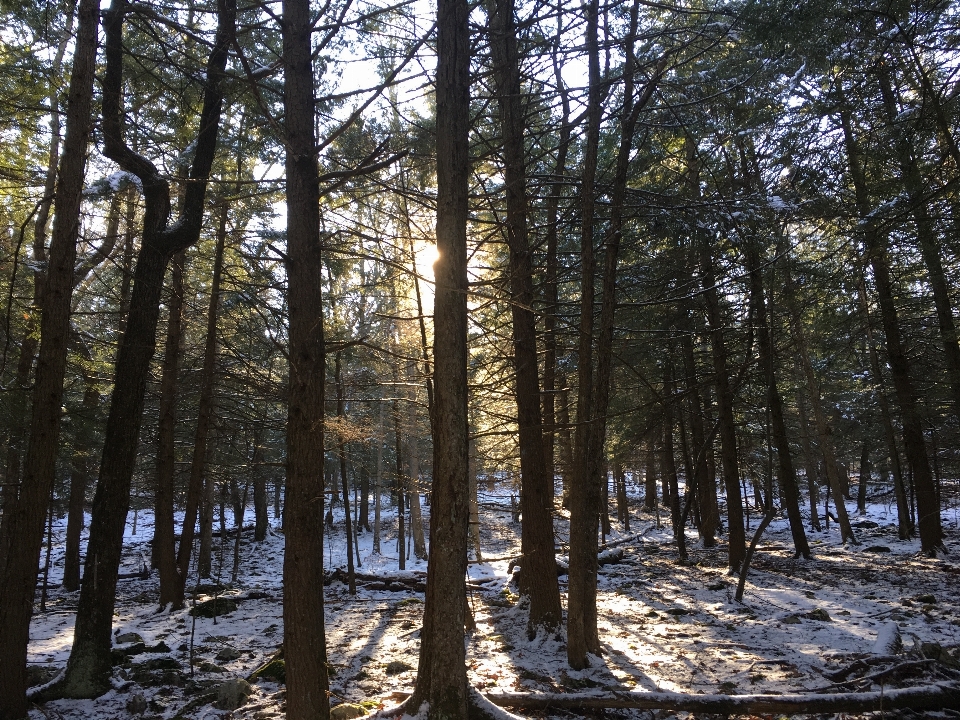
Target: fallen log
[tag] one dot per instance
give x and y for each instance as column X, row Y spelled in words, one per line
column 940, row 696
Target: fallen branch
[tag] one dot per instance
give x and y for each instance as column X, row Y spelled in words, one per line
column 941, row 696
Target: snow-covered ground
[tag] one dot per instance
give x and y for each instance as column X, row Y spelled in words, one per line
column 664, row 626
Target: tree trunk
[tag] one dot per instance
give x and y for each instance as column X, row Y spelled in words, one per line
column 820, row 417
column 261, row 521
column 928, row 504
column 904, row 522
column 650, row 477
column 474, row 504
column 441, row 675
column 809, row 460
column 538, row 578
column 24, row 522
column 789, row 490
column 164, row 545
column 706, row 485
column 342, row 456
column 205, row 415
column 304, row 642
column 416, row 519
column 89, row 666
column 378, row 482
column 669, row 462
column 582, row 635
column 728, row 438
column 551, row 299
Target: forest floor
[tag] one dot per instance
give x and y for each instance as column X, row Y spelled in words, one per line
column 664, row 626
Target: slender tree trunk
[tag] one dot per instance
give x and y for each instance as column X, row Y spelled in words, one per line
column 705, row 483
column 904, row 523
column 650, row 477
column 261, row 521
column 24, row 522
column 670, row 464
column 399, row 485
column 378, row 483
column 305, row 652
column 89, row 666
column 441, row 675
column 549, row 409
column 786, row 474
column 416, row 518
column 164, row 545
column 582, row 635
column 342, row 455
column 565, row 441
column 474, row 503
column 205, row 419
column 79, row 481
column 809, row 460
column 538, row 577
column 928, row 504
column 823, row 429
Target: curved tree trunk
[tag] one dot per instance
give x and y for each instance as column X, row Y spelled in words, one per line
column 89, row 666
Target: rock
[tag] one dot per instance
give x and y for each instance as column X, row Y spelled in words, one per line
column 889, row 641
column 217, row 607
column 395, row 667
column 347, row 711
column 130, row 637
column 159, row 664
column 275, row 670
column 40, row 674
column 228, row 654
column 927, row 599
column 137, row 704
column 233, row 693
column 210, row 667
column 160, row 647
column 791, row 620
column 876, row 549
column 818, row 614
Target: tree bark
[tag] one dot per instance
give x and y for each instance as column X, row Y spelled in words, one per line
column 538, row 578
column 737, row 546
column 305, row 652
column 670, row 463
column 820, row 417
column 24, row 522
column 441, row 675
column 205, row 415
column 928, row 504
column 904, row 522
column 89, row 666
column 582, row 635
column 705, row 483
column 79, row 481
column 787, row 476
column 342, row 456
column 163, row 536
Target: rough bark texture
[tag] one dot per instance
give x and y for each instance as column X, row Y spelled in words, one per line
column 304, row 640
column 706, row 484
column 89, row 666
column 18, row 575
column 737, row 546
column 205, row 415
column 342, row 457
column 786, row 475
column 163, row 536
column 441, row 675
column 79, row 481
column 819, row 416
column 582, row 635
column 904, row 522
column 928, row 504
column 538, row 579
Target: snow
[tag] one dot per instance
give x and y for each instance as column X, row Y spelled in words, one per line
column 664, row 626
